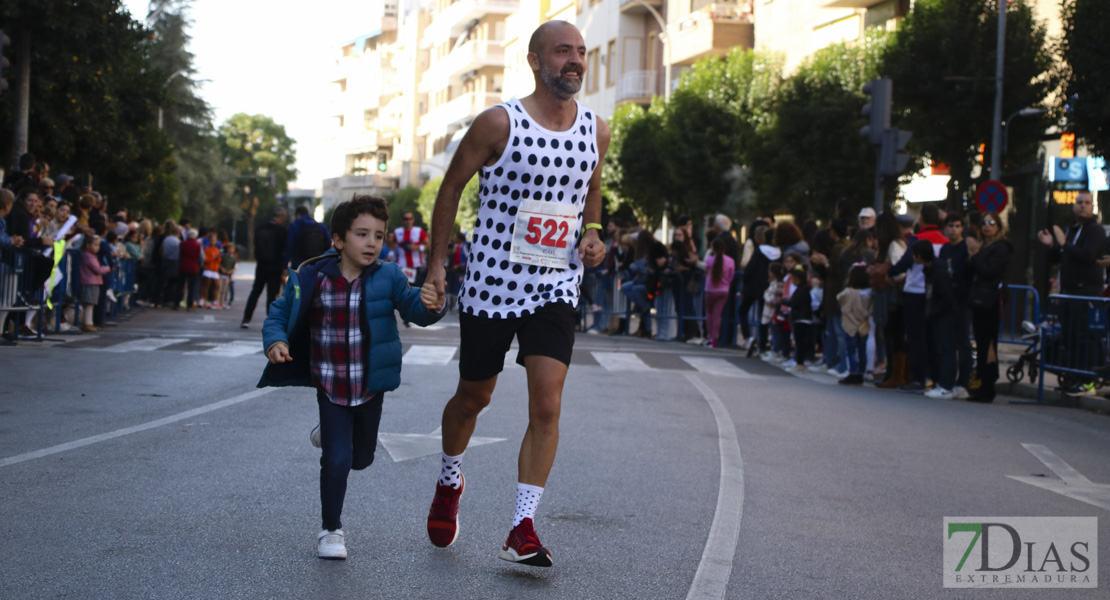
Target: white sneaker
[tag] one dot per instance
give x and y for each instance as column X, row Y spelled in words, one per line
column 790, row 364
column 329, row 544
column 939, row 392
column 314, row 436
column 767, row 355
column 111, row 295
column 816, row 368
column 959, row 392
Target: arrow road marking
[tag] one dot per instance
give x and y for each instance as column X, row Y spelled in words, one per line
column 404, row 446
column 231, row 349
column 1071, row 483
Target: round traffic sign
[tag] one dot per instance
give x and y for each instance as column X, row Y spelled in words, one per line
column 991, row 196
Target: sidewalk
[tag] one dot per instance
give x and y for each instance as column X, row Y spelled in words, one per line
column 1008, row 355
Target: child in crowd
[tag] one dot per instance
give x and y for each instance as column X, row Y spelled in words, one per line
column 719, row 271
column 345, row 294
column 940, row 317
column 801, row 318
column 228, row 260
column 772, row 297
column 210, row 275
column 855, row 310
column 91, row 280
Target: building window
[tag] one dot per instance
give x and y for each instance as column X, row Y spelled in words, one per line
column 611, row 62
column 338, row 120
column 370, row 120
column 592, row 60
column 348, row 50
column 341, row 85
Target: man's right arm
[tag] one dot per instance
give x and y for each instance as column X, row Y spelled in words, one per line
column 483, row 141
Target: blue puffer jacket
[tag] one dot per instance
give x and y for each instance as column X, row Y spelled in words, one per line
column 385, row 289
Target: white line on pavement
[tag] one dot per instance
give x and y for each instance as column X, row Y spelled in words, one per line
column 715, row 568
column 144, row 344
column 620, row 361
column 230, row 349
column 717, row 366
column 429, row 355
column 135, row 429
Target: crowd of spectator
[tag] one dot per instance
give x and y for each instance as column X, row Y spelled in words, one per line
column 883, row 298
column 170, row 265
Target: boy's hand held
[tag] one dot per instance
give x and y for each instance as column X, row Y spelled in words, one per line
column 433, row 294
column 278, row 353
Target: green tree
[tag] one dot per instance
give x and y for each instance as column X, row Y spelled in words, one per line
column 636, row 165
column 205, row 184
column 262, row 156
column 468, row 203
column 942, row 61
column 94, row 98
column 1087, row 82
column 810, row 153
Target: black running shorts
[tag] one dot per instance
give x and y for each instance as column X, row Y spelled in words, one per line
column 549, row 331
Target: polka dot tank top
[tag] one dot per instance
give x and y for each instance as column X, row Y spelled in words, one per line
column 552, row 166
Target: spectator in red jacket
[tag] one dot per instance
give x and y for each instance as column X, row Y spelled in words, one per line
column 189, row 267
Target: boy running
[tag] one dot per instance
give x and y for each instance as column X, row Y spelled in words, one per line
column 334, row 329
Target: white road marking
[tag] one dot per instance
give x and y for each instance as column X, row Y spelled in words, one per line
column 1071, row 483
column 230, row 349
column 144, row 344
column 428, row 355
column 135, row 429
column 715, row 568
column 403, row 446
column 620, row 361
column 717, row 366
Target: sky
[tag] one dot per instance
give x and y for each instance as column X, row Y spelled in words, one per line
column 268, row 58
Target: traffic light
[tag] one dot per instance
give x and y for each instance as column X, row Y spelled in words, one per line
column 5, row 41
column 383, row 160
column 891, row 161
column 878, row 110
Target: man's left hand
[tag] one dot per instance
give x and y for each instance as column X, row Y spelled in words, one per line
column 591, row 250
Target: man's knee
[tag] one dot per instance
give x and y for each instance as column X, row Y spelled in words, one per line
column 545, row 410
column 471, row 398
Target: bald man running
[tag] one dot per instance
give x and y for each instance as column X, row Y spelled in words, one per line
column 539, row 164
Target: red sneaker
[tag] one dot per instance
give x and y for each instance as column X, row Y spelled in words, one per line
column 443, row 516
column 523, row 546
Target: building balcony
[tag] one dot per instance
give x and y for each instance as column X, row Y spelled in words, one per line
column 851, row 3
column 471, row 56
column 711, row 31
column 633, row 7
column 637, row 87
column 447, row 117
column 457, row 18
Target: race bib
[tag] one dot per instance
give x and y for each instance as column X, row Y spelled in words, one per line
column 410, row 274
column 544, row 234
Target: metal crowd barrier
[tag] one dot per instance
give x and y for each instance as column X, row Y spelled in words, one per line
column 602, row 299
column 19, row 274
column 1023, row 304
column 1074, row 339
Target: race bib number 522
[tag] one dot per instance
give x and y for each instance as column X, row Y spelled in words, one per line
column 544, row 234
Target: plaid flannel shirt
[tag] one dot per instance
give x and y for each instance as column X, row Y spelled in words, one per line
column 338, row 344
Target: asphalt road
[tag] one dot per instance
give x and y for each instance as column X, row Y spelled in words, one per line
column 143, row 463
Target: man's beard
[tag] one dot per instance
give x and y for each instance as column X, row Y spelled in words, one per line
column 563, row 88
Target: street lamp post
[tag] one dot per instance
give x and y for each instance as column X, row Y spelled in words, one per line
column 1025, row 112
column 996, row 137
column 666, row 39
column 164, row 85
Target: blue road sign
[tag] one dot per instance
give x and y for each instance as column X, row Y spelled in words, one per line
column 991, row 196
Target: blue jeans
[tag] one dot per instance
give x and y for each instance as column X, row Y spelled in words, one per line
column 348, row 437
column 857, row 353
column 637, row 295
column 836, row 344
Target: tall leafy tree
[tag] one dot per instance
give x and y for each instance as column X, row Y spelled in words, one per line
column 263, row 157
column 94, row 99
column 942, row 61
column 1087, row 80
column 810, row 153
column 636, row 169
column 205, row 184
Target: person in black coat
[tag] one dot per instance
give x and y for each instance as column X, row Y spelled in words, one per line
column 940, row 317
column 269, row 254
column 985, row 268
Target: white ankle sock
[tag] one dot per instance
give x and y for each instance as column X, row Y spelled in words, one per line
column 451, row 471
column 527, row 499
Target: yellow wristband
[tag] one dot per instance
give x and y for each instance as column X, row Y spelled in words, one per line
column 589, row 226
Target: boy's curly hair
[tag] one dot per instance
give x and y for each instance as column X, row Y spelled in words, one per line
column 359, row 204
